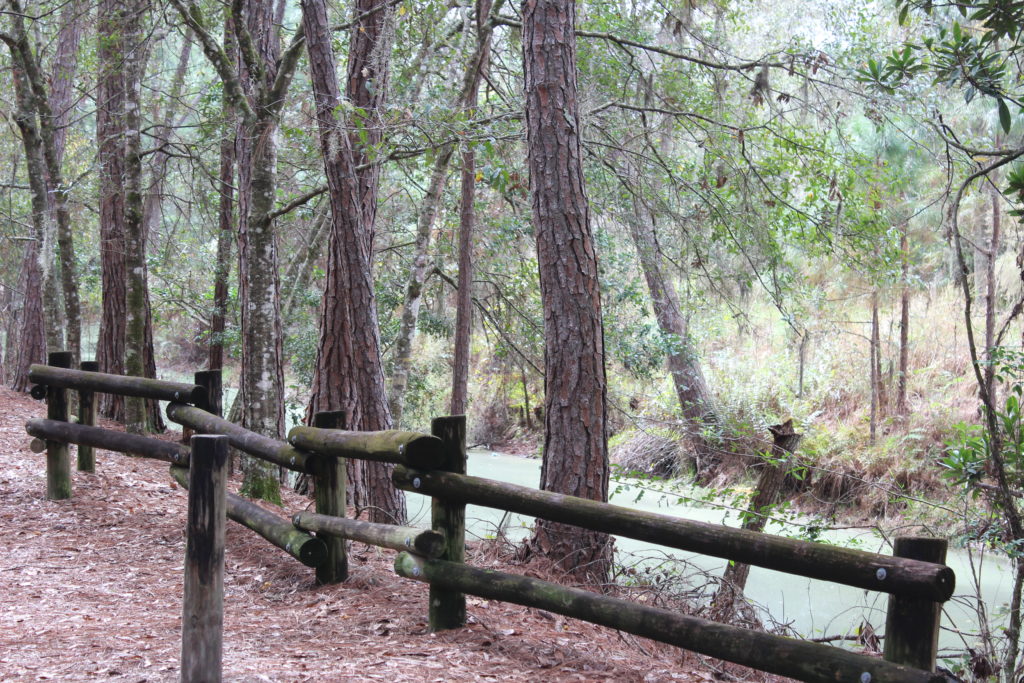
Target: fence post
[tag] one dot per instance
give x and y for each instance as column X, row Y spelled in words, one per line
column 329, row 492
column 212, row 382
column 912, row 624
column 448, row 608
column 202, row 617
column 87, row 417
column 58, row 459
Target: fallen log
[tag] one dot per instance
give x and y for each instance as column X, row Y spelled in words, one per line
column 120, row 442
column 262, row 447
column 401, row 448
column 307, row 549
column 797, row 659
column 420, row 541
column 871, row 571
column 124, row 385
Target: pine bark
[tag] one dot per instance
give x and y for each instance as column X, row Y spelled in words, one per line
column 575, row 434
column 135, row 242
column 349, row 374
column 110, row 102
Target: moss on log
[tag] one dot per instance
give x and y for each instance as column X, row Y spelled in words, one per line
column 870, row 571
column 120, row 442
column 419, row 541
column 784, row 656
column 122, row 385
column 262, row 447
column 308, row 550
column 403, row 448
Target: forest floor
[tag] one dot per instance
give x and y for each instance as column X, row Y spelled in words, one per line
column 90, row 588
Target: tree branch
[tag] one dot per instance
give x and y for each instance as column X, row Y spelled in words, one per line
column 193, row 17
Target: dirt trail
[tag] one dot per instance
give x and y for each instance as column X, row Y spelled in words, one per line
column 90, row 588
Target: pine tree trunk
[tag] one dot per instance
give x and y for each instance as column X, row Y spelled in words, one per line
column 110, row 97
column 349, row 375
column 575, row 430
column 135, row 238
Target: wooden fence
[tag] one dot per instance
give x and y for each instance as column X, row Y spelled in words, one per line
column 435, row 465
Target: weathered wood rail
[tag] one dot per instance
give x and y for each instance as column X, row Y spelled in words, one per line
column 916, row 578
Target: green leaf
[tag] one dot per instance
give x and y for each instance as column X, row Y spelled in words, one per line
column 1004, row 116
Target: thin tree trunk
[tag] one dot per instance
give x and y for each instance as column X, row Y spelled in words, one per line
column 876, row 378
column 991, row 284
column 54, row 124
column 421, row 268
column 467, row 223
column 692, row 391
column 301, row 267
column 349, row 374
column 575, row 434
column 225, row 213
column 901, row 385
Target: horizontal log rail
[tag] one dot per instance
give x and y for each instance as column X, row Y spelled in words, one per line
column 120, row 442
column 257, row 445
column 124, row 385
column 871, row 571
column 422, row 542
column 798, row 659
column 421, row 451
column 307, row 549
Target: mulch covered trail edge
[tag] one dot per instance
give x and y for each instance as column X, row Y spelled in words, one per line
column 90, row 588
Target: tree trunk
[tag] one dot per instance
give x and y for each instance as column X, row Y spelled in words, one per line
column 575, row 430
column 58, row 104
column 876, row 365
column 991, row 284
column 135, row 238
column 262, row 379
column 414, row 288
column 467, row 223
column 225, row 213
column 301, row 267
column 901, row 385
column 769, row 484
column 349, row 375
column 32, row 339
column 110, row 100
column 691, row 388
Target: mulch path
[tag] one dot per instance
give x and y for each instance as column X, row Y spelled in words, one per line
column 90, row 588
